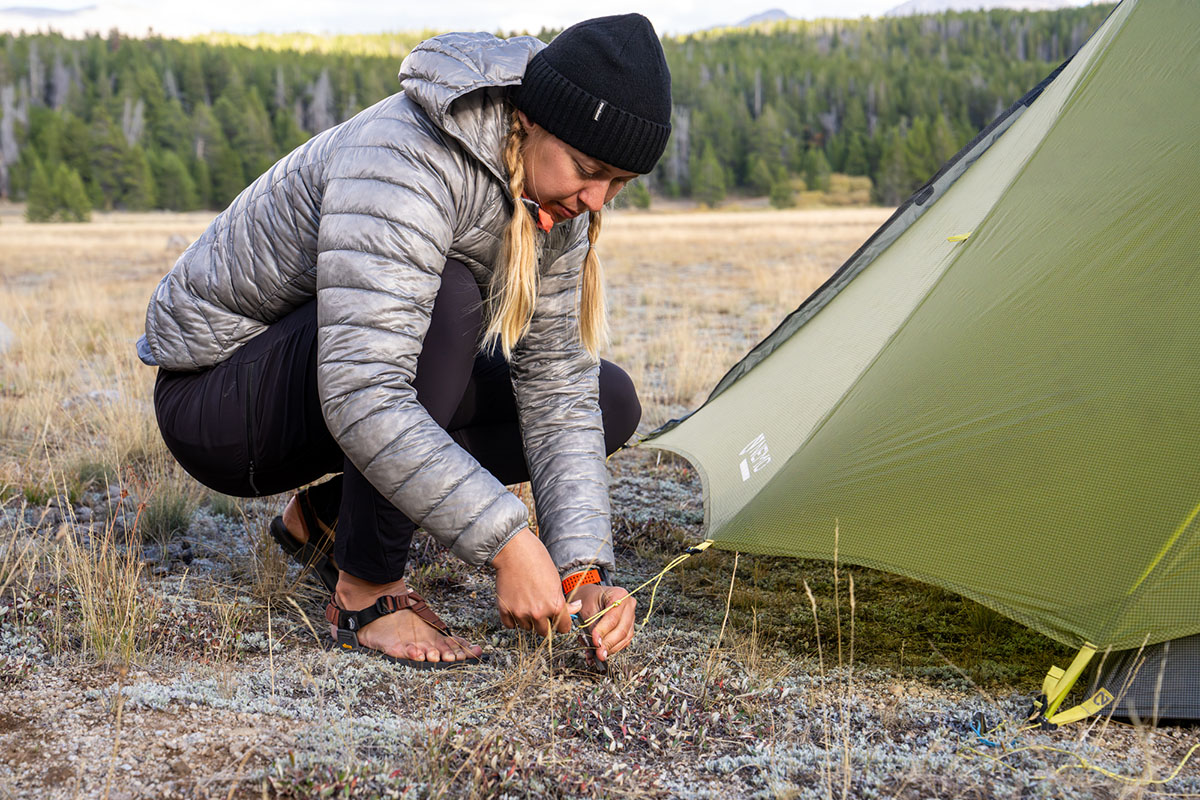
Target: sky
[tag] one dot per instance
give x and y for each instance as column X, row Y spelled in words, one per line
column 184, row 18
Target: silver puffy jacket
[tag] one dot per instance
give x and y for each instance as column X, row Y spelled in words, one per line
column 364, row 216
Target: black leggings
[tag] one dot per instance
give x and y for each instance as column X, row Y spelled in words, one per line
column 252, row 425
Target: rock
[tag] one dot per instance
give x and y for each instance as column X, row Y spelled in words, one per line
column 95, row 397
column 47, row 518
column 202, row 528
column 7, row 337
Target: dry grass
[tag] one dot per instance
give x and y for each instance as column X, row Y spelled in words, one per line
column 214, row 646
column 691, row 292
column 105, row 582
column 72, row 392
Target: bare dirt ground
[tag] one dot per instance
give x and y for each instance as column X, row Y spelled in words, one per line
column 155, row 644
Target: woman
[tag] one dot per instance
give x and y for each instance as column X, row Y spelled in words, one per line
column 378, row 304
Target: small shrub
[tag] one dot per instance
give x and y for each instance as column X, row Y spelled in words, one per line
column 36, row 495
column 166, row 514
column 93, row 474
column 224, row 505
column 983, row 621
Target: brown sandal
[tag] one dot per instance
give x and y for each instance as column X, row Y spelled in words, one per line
column 348, row 623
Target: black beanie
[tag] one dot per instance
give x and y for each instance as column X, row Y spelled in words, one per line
column 603, row 87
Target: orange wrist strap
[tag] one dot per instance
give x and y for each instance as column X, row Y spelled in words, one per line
column 581, row 578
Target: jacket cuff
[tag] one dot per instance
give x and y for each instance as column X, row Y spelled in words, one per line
column 504, row 541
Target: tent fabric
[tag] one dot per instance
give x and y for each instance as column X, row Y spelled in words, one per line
column 1000, row 394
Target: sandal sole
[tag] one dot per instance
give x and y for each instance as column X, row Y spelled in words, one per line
column 408, row 662
column 319, row 564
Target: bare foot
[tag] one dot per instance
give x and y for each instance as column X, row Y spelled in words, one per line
column 293, row 520
column 401, row 634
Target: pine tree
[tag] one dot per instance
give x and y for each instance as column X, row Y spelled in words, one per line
column 176, row 189
column 919, row 161
column 637, row 195
column 108, row 161
column 39, row 204
column 288, row 135
column 227, row 176
column 202, row 181
column 782, row 195
column 856, row 157
column 708, row 178
column 942, row 141
column 761, row 177
column 893, row 183
column 70, row 197
column 137, row 181
column 816, row 170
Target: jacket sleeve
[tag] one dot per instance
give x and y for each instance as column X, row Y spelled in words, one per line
column 556, row 384
column 386, row 225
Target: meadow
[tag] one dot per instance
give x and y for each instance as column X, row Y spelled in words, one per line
column 155, row 643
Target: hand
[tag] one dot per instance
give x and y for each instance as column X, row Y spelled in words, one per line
column 528, row 590
column 614, row 631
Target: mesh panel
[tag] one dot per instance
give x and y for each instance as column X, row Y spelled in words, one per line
column 1159, row 683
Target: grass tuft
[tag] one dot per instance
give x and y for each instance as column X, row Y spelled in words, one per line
column 116, row 609
column 167, row 513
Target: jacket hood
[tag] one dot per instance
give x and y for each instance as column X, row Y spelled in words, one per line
column 443, row 75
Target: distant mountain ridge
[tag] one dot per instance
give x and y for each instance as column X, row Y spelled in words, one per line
column 771, row 15
column 41, row 11
column 914, row 7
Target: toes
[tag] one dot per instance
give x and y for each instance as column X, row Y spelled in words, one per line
column 432, row 654
column 415, row 653
column 467, row 649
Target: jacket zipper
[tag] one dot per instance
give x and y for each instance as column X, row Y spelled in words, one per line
column 250, row 425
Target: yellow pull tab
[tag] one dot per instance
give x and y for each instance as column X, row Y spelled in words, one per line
column 1050, row 682
column 959, row 237
column 1093, row 704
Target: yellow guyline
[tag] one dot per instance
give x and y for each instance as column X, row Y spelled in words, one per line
column 657, row 579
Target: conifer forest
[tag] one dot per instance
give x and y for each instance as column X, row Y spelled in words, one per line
column 111, row 122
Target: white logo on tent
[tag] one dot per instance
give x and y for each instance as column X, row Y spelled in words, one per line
column 757, row 456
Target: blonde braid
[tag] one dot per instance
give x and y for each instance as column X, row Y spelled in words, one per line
column 593, row 313
column 513, row 288
column 514, row 285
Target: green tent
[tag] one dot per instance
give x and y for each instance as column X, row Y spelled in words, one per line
column 999, row 393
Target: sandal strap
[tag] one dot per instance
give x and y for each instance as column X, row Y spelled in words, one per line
column 354, row 621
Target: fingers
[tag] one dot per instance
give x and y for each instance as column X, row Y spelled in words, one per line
column 563, row 621
column 614, row 631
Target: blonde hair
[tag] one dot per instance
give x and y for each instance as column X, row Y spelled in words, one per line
column 514, row 287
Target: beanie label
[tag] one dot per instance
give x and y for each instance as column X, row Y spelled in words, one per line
column 599, row 108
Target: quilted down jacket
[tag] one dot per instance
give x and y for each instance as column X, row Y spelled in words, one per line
column 364, row 216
